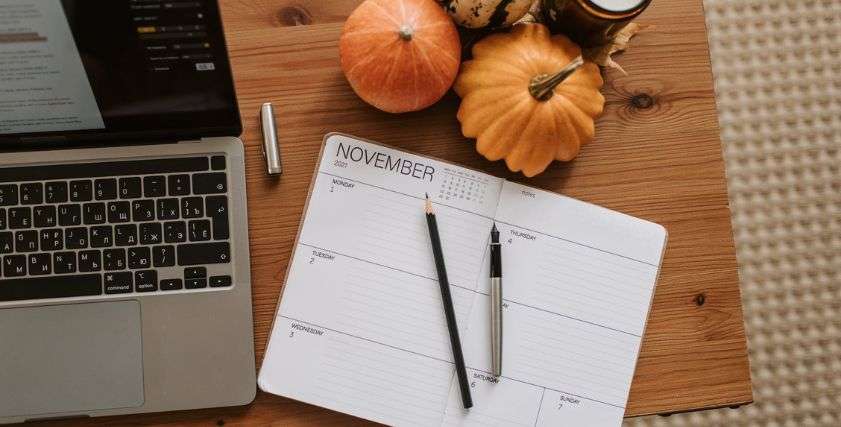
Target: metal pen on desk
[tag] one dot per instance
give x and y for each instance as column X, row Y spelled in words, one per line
column 270, row 149
column 496, row 303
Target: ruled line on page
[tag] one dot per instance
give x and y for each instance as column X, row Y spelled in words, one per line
column 469, row 289
column 489, row 217
column 448, row 362
column 576, row 243
column 390, row 385
column 390, row 228
column 416, row 196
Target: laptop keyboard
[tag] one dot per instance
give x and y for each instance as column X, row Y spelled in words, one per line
column 113, row 228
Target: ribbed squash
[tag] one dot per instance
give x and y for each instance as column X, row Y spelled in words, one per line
column 528, row 98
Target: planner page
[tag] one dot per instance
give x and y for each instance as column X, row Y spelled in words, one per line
column 361, row 327
column 578, row 281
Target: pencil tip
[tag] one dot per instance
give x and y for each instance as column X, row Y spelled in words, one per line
column 427, row 195
column 428, row 205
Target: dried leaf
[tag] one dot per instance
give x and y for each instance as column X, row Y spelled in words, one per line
column 602, row 55
column 534, row 15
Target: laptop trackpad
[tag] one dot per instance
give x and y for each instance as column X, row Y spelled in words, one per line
column 79, row 357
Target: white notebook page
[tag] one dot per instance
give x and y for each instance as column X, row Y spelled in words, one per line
column 361, row 330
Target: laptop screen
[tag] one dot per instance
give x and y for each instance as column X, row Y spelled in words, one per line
column 113, row 69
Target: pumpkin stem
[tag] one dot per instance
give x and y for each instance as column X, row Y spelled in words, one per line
column 542, row 87
column 405, row 32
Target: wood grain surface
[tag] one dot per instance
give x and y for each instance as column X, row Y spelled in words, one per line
column 657, row 156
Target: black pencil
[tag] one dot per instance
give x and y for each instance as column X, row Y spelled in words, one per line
column 449, row 311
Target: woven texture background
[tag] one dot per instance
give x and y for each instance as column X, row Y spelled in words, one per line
column 777, row 69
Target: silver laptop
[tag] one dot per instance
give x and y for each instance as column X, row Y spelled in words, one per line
column 124, row 265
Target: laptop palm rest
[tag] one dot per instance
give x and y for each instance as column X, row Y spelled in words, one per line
column 74, row 357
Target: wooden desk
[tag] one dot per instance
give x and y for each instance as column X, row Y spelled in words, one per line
column 657, row 156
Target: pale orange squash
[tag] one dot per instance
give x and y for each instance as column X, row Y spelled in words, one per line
column 400, row 55
column 529, row 98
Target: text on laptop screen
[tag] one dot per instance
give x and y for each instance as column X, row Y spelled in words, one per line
column 127, row 67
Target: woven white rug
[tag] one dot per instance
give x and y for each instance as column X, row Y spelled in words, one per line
column 777, row 69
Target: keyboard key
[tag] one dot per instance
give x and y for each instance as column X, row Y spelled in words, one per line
column 210, row 183
column 175, row 232
column 105, row 189
column 102, row 236
column 195, row 272
column 26, row 241
column 119, row 212
column 14, row 266
column 81, row 191
column 125, row 235
column 220, row 281
column 171, row 284
column 151, row 233
column 217, row 163
column 94, row 213
column 199, row 230
column 40, row 264
column 114, row 259
column 32, row 193
column 130, row 188
column 143, row 210
column 52, row 239
column 118, row 283
column 76, row 238
column 167, row 209
column 139, row 257
column 8, row 195
column 90, row 261
column 179, row 185
column 20, row 218
column 204, row 253
column 44, row 216
column 192, row 207
column 69, row 215
column 217, row 209
column 55, row 192
column 64, row 262
column 154, row 186
column 7, row 242
column 50, row 287
column 195, row 283
column 163, row 256
column 2, row 219
column 146, row 281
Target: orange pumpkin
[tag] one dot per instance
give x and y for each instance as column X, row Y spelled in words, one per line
column 529, row 98
column 400, row 55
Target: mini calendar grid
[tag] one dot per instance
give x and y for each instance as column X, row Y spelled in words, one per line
column 462, row 185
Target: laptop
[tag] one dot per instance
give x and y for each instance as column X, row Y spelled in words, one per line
column 124, row 264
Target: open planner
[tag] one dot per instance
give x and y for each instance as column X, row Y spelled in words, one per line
column 360, row 327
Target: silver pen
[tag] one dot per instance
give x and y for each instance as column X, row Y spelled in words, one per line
column 496, row 303
column 270, row 149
